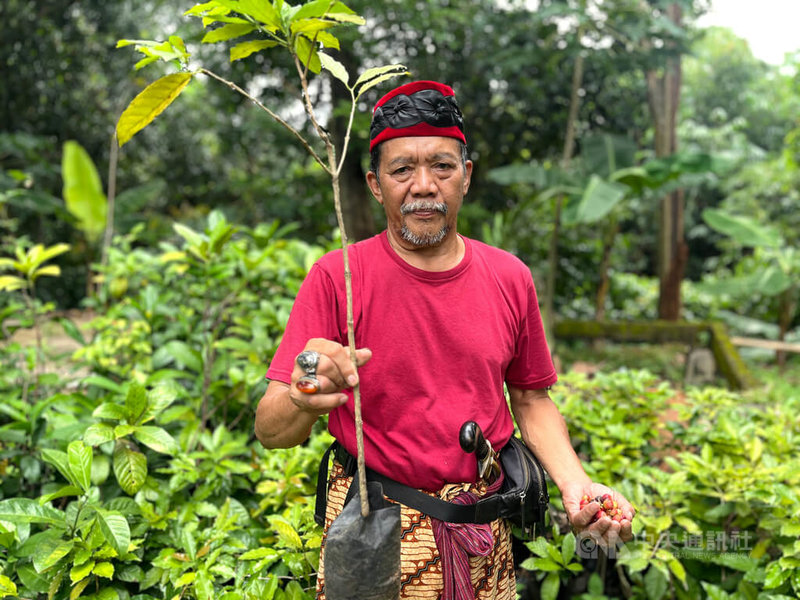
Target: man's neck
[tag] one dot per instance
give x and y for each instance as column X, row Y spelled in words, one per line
column 443, row 257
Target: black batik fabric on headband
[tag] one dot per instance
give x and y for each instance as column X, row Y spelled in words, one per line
column 425, row 106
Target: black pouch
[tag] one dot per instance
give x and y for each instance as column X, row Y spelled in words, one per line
column 523, row 497
column 362, row 554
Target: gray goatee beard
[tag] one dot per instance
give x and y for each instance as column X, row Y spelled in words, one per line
column 426, row 239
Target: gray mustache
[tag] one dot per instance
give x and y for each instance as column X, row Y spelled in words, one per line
column 423, row 205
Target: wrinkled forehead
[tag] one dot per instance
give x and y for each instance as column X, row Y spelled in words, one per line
column 419, row 150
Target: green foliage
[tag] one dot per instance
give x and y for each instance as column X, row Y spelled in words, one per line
column 30, row 266
column 552, row 562
column 769, row 271
column 145, row 477
column 83, row 192
column 303, row 30
column 150, row 103
column 713, row 476
column 119, row 487
column 193, row 313
column 726, row 85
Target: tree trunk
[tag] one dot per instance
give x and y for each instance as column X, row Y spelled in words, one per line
column 605, row 265
column 566, row 158
column 663, row 90
column 786, row 309
column 355, row 198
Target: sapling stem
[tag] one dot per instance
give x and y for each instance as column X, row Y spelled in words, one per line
column 348, row 286
column 333, row 169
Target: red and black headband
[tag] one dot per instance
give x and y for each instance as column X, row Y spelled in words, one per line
column 419, row 108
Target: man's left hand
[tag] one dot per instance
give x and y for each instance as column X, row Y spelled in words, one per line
column 606, row 531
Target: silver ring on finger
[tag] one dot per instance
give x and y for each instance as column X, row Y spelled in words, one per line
column 308, row 360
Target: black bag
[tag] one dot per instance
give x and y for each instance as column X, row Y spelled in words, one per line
column 522, row 498
column 362, row 555
column 523, row 495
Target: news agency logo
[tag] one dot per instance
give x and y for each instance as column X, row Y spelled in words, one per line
column 589, row 544
column 707, row 543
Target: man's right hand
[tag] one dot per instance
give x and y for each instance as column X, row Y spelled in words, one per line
column 285, row 415
column 335, row 373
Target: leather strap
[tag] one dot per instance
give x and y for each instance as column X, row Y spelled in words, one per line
column 321, row 505
column 485, row 510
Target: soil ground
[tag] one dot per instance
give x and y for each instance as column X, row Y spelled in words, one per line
column 58, row 347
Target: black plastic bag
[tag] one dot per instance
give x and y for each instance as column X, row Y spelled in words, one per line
column 362, row 554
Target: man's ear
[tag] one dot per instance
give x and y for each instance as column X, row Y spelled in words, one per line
column 374, row 186
column 467, row 175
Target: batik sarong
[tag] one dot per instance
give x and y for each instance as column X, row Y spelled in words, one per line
column 420, row 563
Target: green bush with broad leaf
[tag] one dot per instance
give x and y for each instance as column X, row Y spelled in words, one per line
column 714, row 476
column 143, row 479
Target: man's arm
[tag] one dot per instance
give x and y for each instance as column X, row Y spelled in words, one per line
column 285, row 415
column 544, row 431
column 279, row 422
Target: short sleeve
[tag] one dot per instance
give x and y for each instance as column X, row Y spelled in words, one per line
column 532, row 366
column 315, row 314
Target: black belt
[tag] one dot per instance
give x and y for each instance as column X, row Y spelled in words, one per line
column 485, row 510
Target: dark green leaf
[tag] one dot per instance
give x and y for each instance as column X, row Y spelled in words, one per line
column 538, row 547
column 160, row 397
column 25, row 510
column 227, row 32
column 115, row 529
column 603, row 153
column 135, row 403
column 79, row 456
column 157, row 439
column 32, row 580
column 110, row 411
column 655, row 583
column 568, row 547
column 103, row 383
column 185, row 355
column 60, row 461
column 72, row 330
column 599, row 198
column 532, row 174
column 245, row 49
column 130, row 467
column 83, row 192
column 742, row 229
column 769, row 281
column 714, row 592
column 550, row 585
column 130, row 573
column 99, row 433
column 49, row 552
column 595, row 587
column 101, row 467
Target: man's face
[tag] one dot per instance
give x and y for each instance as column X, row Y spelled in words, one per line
column 421, row 185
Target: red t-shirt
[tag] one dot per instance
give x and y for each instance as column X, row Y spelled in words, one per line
column 443, row 343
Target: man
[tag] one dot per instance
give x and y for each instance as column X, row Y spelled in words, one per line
column 442, row 322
